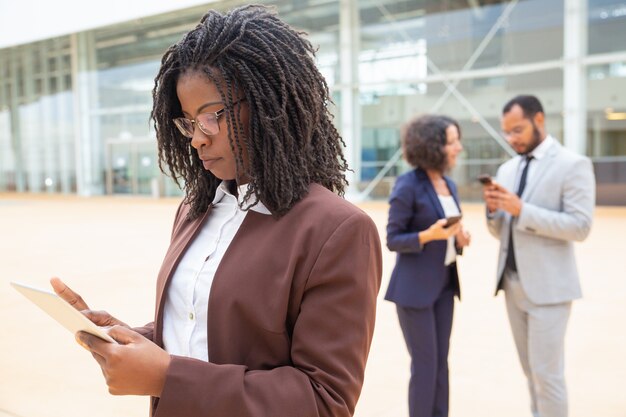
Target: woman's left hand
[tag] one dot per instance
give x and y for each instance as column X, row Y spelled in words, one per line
column 135, row 366
column 463, row 238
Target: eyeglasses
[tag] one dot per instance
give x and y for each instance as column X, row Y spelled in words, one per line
column 207, row 122
column 516, row 131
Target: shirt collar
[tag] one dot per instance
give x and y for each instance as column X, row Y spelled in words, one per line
column 542, row 149
column 222, row 190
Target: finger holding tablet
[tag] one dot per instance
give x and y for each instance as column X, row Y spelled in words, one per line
column 60, row 310
column 101, row 318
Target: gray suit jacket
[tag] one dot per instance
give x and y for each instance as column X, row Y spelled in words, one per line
column 557, row 209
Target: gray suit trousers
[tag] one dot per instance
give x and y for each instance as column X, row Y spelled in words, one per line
column 539, row 333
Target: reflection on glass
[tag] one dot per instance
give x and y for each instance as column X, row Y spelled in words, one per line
column 121, row 169
column 36, row 118
column 457, row 32
column 607, row 26
column 606, row 110
column 476, row 104
column 147, row 172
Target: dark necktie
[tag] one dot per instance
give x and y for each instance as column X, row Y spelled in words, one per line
column 510, row 255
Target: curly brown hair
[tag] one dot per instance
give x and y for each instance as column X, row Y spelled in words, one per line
column 291, row 139
column 424, row 139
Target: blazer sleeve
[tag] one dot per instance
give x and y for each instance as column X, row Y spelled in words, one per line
column 400, row 237
column 573, row 220
column 146, row 331
column 329, row 344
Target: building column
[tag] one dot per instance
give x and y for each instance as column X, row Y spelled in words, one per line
column 16, row 128
column 575, row 75
column 63, row 104
column 89, row 168
column 349, row 106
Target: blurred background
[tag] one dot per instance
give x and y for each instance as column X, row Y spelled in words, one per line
column 76, row 79
column 75, row 97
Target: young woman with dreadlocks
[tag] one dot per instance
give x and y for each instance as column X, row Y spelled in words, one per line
column 266, row 298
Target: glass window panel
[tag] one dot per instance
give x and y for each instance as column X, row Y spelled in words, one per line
column 147, row 169
column 127, row 85
column 320, row 20
column 53, row 85
column 450, row 33
column 52, row 64
column 67, row 63
column 122, row 168
column 607, row 26
column 606, row 110
column 38, row 122
column 7, row 160
column 127, row 60
column 386, row 108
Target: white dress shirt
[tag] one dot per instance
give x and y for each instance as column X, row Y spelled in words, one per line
column 449, row 209
column 538, row 153
column 187, row 299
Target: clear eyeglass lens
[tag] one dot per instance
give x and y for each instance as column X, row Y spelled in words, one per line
column 208, row 123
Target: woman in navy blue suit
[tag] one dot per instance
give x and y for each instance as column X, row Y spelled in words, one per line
column 425, row 280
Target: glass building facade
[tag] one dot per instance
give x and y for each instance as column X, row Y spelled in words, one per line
column 74, row 109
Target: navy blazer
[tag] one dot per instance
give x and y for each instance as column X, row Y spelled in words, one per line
column 419, row 274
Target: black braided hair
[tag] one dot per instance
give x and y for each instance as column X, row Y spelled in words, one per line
column 291, row 139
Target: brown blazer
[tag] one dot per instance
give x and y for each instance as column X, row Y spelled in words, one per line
column 291, row 315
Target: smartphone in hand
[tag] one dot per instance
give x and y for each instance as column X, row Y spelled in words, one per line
column 452, row 220
column 485, row 179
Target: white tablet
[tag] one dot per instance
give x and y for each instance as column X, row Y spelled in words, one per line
column 60, row 310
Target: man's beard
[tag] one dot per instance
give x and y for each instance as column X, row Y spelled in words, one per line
column 536, row 140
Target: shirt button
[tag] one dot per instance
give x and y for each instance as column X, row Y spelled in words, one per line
column 190, row 316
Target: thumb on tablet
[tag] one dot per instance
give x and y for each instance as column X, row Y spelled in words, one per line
column 66, row 293
column 103, row 319
column 124, row 335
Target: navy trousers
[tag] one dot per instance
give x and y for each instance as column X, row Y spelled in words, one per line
column 427, row 336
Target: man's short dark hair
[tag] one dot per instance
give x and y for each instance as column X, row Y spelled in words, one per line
column 530, row 105
column 424, row 139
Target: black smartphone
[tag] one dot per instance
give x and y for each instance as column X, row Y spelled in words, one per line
column 452, row 220
column 485, row 179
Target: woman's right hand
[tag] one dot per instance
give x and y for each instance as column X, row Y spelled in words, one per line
column 438, row 231
column 101, row 318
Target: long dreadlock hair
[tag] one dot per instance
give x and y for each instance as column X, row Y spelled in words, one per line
column 291, row 139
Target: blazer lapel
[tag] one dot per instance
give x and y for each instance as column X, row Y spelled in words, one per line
column 508, row 181
column 172, row 258
column 453, row 192
column 540, row 167
column 428, row 188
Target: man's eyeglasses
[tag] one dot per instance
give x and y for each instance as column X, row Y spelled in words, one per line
column 207, row 122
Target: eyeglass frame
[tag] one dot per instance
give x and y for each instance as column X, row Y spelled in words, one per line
column 194, row 122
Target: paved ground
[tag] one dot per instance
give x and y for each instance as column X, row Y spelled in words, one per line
column 110, row 250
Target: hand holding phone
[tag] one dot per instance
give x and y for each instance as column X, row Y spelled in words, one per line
column 485, row 179
column 452, row 220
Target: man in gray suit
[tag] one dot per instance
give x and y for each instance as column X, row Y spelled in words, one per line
column 540, row 202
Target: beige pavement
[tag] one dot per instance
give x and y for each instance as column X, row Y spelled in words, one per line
column 110, row 248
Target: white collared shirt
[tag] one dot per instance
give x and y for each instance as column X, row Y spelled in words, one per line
column 187, row 299
column 538, row 153
column 449, row 209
